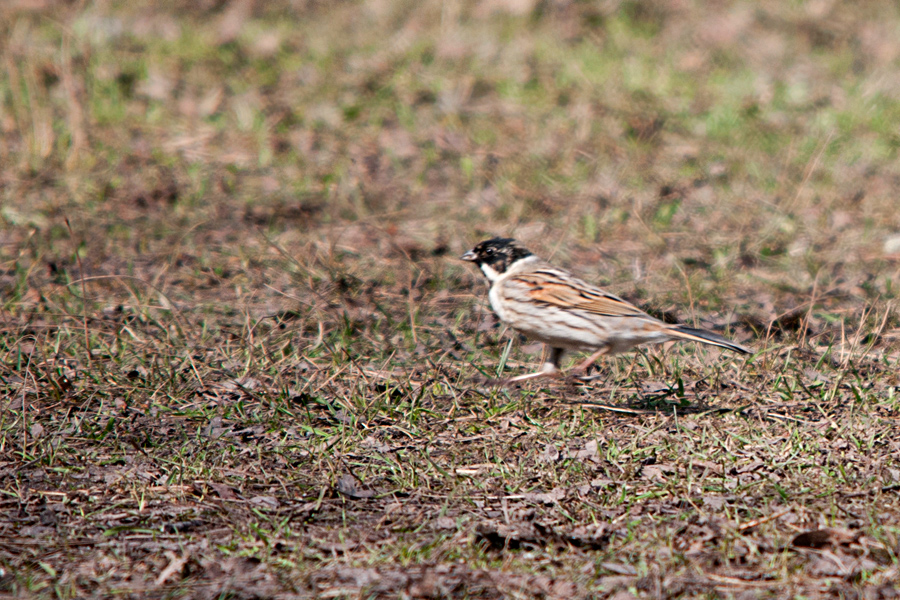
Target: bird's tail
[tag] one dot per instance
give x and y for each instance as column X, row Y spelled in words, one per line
column 706, row 337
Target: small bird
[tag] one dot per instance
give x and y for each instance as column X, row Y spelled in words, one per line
column 550, row 305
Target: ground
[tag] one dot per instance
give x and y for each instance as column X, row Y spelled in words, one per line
column 241, row 357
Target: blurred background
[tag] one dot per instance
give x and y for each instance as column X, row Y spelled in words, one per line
column 741, row 156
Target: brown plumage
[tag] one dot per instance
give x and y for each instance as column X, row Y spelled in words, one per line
column 553, row 306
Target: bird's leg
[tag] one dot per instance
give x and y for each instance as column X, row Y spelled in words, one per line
column 583, row 366
column 548, row 369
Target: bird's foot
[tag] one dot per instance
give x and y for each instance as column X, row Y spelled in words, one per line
column 583, row 377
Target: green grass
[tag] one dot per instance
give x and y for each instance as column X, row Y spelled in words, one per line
column 241, row 359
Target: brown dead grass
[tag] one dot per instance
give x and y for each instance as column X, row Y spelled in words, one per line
column 241, row 358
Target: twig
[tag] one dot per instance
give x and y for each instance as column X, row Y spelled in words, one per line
column 760, row 521
column 611, row 408
column 87, row 339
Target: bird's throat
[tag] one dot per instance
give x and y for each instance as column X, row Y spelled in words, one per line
column 490, row 272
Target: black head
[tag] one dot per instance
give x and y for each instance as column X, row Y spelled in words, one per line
column 496, row 255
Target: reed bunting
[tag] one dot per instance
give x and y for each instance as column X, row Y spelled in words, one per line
column 551, row 305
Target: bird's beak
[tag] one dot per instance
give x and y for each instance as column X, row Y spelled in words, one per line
column 470, row 256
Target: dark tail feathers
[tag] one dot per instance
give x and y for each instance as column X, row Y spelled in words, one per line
column 707, row 337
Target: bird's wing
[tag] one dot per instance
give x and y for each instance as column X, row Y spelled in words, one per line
column 560, row 289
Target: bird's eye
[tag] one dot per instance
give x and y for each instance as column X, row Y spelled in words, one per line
column 489, row 251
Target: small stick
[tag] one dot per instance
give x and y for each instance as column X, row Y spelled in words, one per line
column 760, row 521
column 87, row 338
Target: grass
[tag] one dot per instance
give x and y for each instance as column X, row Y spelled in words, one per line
column 241, row 358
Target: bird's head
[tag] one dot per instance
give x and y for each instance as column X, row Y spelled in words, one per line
column 496, row 256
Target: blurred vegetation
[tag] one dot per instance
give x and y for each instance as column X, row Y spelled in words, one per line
column 771, row 127
column 228, row 241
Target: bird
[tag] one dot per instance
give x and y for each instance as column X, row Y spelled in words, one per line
column 550, row 305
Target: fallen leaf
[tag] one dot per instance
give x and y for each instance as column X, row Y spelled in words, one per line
column 656, row 472
column 176, row 564
column 549, row 455
column 714, row 502
column 444, row 523
column 376, row 445
column 265, row 501
column 593, row 536
column 347, row 486
column 821, row 538
column 551, row 497
column 224, row 492
column 589, row 452
column 501, row 535
column 618, row 569
column 831, row 564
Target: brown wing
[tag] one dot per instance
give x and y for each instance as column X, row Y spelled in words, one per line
column 562, row 290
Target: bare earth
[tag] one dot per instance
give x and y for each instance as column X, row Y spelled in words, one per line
column 241, row 358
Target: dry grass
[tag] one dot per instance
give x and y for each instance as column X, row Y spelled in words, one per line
column 241, row 358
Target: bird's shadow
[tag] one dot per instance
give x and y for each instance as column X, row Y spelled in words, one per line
column 644, row 398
